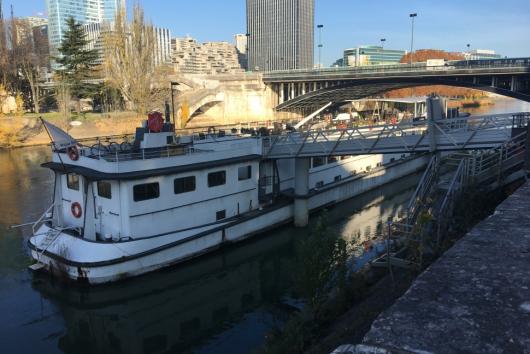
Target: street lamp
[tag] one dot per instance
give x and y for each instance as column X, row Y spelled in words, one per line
column 248, row 51
column 412, row 16
column 320, row 45
column 383, row 40
column 468, row 53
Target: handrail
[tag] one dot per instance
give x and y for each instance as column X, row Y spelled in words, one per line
column 39, row 221
column 457, row 178
column 424, row 186
column 415, row 67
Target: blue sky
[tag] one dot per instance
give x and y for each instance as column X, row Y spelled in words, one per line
column 448, row 24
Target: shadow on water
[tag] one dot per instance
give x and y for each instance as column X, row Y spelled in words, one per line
column 223, row 302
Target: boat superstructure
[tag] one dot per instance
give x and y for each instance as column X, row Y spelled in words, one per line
column 163, row 199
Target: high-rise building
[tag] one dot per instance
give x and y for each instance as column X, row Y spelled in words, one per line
column 281, row 34
column 25, row 26
column 83, row 11
column 372, row 55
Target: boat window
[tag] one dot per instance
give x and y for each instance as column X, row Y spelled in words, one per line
column 184, row 185
column 104, row 190
column 72, row 181
column 220, row 215
column 244, row 173
column 318, row 161
column 146, row 191
column 216, row 178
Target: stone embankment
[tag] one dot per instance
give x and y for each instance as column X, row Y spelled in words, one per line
column 473, row 299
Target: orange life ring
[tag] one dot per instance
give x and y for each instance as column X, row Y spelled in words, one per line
column 77, row 211
column 73, row 153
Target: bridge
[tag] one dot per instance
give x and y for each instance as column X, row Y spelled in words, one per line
column 306, row 90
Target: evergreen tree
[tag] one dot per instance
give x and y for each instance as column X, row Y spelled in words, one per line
column 76, row 62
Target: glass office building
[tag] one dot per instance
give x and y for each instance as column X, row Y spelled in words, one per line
column 83, row 11
column 281, row 34
column 372, row 55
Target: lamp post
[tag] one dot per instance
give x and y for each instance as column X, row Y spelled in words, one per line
column 320, row 45
column 468, row 53
column 248, row 50
column 412, row 16
column 383, row 40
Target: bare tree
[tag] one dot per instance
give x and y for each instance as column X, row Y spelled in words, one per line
column 3, row 49
column 30, row 61
column 130, row 63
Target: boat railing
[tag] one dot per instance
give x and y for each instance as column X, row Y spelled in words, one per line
column 137, row 154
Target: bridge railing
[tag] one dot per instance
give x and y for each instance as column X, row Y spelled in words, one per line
column 422, row 66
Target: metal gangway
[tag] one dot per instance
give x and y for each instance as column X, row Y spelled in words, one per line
column 487, row 169
column 457, row 134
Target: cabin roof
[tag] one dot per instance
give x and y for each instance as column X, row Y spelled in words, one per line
column 98, row 175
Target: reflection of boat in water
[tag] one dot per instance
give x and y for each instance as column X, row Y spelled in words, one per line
column 171, row 311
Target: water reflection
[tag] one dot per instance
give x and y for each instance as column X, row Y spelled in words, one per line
column 175, row 310
column 502, row 105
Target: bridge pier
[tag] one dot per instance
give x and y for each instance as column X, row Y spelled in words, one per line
column 494, row 81
column 513, row 84
column 280, row 94
column 301, row 190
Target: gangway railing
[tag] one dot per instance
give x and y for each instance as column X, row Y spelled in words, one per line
column 449, row 135
column 422, row 191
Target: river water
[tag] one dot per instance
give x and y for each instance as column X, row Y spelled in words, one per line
column 224, row 302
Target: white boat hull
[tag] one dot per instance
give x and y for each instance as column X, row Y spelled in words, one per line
column 100, row 262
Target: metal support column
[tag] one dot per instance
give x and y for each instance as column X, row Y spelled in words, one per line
column 434, row 113
column 301, row 190
column 280, row 94
column 513, row 84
